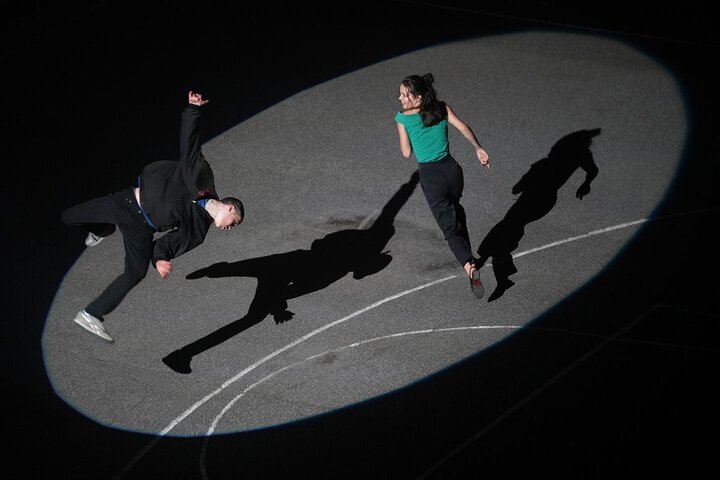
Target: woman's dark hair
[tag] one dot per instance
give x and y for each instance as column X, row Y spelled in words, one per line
column 432, row 110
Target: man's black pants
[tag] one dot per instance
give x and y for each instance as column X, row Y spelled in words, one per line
column 100, row 216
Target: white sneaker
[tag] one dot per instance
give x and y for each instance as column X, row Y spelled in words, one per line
column 91, row 240
column 92, row 325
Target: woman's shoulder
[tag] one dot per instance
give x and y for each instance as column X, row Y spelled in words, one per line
column 407, row 114
column 410, row 111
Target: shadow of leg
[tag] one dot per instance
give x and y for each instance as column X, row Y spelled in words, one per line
column 503, row 267
column 178, row 361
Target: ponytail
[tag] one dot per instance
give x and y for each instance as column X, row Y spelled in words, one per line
column 432, row 110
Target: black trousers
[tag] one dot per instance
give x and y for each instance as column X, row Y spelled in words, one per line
column 442, row 183
column 100, row 216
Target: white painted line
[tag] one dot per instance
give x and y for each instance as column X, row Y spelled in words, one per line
column 330, row 325
column 250, row 368
column 610, row 229
column 579, row 237
column 605, row 339
column 353, row 345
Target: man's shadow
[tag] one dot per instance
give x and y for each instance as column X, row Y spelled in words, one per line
column 284, row 276
column 538, row 193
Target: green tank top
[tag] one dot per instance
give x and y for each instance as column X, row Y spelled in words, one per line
column 430, row 144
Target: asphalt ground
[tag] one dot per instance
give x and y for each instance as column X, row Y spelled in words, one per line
column 332, row 334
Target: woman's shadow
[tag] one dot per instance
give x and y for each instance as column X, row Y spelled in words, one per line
column 538, row 193
column 284, row 276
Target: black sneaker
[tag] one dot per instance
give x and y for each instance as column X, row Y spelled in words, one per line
column 476, row 285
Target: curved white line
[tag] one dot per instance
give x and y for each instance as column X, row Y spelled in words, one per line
column 330, row 325
column 610, row 229
column 352, row 345
column 579, row 237
column 216, row 421
column 245, row 371
column 232, row 403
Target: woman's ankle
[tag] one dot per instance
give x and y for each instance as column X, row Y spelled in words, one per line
column 469, row 267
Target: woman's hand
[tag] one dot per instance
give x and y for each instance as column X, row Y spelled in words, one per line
column 483, row 157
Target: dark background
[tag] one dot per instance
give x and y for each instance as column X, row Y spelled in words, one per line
column 89, row 94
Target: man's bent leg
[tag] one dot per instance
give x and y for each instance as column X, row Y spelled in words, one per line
column 138, row 241
column 97, row 216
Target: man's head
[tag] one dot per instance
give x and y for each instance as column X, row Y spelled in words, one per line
column 230, row 213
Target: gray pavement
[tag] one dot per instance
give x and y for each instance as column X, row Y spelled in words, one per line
column 340, row 164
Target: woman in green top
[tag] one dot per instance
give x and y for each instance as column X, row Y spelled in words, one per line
column 422, row 128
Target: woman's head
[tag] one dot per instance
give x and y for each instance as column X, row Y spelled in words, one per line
column 417, row 92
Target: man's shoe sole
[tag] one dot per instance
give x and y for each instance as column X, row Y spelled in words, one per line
column 92, row 240
column 91, row 327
